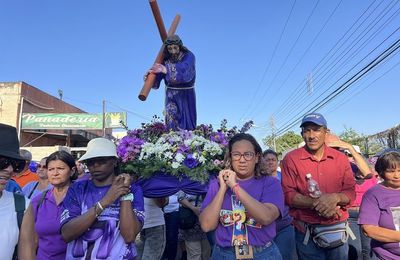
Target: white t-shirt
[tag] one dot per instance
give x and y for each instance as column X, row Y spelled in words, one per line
column 173, row 204
column 154, row 216
column 8, row 218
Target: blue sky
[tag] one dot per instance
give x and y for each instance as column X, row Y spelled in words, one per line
column 252, row 57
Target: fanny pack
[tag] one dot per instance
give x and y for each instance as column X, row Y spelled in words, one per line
column 328, row 236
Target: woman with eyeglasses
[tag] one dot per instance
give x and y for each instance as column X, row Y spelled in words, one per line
column 380, row 208
column 40, row 231
column 242, row 205
column 10, row 161
column 34, row 188
column 102, row 215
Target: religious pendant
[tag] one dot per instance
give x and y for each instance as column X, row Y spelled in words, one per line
column 244, row 252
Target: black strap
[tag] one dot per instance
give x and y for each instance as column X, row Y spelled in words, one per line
column 19, row 203
column 41, row 200
column 34, row 188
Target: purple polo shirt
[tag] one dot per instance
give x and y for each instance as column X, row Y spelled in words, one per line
column 380, row 207
column 47, row 226
column 266, row 189
column 333, row 174
column 103, row 240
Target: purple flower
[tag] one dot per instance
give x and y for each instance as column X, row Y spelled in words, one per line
column 190, row 161
column 183, row 149
column 219, row 137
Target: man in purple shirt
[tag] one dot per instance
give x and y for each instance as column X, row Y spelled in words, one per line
column 103, row 215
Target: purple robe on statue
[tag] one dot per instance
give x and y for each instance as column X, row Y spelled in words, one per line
column 180, row 97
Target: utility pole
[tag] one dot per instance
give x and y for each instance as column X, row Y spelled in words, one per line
column 104, row 118
column 273, row 129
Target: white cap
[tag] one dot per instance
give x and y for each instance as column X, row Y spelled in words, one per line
column 356, row 148
column 308, row 175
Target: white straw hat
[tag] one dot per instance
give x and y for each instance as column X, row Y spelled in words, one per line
column 99, row 147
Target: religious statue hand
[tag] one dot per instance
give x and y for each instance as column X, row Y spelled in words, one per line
column 158, row 68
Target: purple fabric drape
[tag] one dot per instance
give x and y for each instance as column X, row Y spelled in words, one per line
column 164, row 185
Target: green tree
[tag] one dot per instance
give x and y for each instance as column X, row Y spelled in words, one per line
column 284, row 142
column 351, row 136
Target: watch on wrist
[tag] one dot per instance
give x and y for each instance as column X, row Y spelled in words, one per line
column 128, row 196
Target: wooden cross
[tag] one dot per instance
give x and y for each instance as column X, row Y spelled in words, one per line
column 160, row 56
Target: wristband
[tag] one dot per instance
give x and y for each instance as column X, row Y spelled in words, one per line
column 235, row 189
column 128, row 196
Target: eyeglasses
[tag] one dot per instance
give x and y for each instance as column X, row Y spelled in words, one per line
column 236, row 156
column 18, row 165
column 40, row 166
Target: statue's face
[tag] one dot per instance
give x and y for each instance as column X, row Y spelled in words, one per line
column 174, row 51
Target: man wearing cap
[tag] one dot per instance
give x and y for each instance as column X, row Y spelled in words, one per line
column 331, row 169
column 10, row 161
column 26, row 175
column 102, row 215
column 179, row 73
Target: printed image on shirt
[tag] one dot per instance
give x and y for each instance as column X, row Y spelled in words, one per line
column 396, row 217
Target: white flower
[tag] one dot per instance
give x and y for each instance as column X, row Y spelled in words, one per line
column 175, row 165
column 179, row 157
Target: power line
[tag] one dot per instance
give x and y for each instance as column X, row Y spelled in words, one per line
column 389, row 51
column 303, row 55
column 294, row 103
column 294, row 97
column 289, row 53
column 270, row 61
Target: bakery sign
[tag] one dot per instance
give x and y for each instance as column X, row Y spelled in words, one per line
column 73, row 120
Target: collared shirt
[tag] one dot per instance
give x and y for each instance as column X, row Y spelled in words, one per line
column 47, row 226
column 333, row 174
column 26, row 177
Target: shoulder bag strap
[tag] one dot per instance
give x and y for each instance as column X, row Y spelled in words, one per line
column 34, row 188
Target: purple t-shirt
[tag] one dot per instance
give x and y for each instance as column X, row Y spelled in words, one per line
column 266, row 189
column 380, row 206
column 103, row 240
column 47, row 226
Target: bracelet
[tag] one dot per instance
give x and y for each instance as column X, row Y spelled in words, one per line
column 100, row 206
column 95, row 210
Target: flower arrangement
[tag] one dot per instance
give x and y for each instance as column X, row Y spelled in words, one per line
column 153, row 148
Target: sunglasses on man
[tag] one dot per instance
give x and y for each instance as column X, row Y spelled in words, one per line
column 18, row 165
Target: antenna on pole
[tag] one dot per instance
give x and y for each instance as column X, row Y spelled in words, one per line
column 60, row 94
column 273, row 129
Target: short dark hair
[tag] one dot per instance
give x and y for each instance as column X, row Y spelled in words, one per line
column 65, row 157
column 387, row 161
column 256, row 146
column 270, row 151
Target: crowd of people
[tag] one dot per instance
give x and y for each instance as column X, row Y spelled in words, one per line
column 256, row 208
